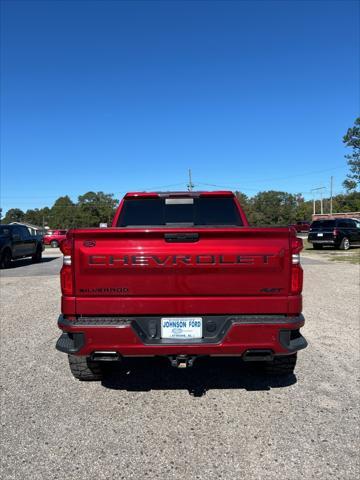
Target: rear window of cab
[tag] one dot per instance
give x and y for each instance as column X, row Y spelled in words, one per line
column 322, row 224
column 4, row 231
column 187, row 211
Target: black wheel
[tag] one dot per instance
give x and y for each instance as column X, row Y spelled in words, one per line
column 281, row 365
column 345, row 244
column 54, row 244
column 36, row 258
column 84, row 369
column 6, row 258
column 316, row 246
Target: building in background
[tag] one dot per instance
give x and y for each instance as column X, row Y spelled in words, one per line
column 34, row 230
column 328, row 216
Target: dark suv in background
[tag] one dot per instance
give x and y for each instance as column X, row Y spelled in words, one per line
column 16, row 242
column 340, row 233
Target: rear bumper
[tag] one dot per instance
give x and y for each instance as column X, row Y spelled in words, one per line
column 234, row 335
column 322, row 241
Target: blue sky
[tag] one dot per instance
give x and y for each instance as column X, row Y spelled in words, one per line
column 118, row 96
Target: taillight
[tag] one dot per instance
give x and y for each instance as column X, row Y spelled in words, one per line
column 66, row 246
column 66, row 280
column 66, row 273
column 296, row 279
column 296, row 270
column 296, row 245
column 335, row 232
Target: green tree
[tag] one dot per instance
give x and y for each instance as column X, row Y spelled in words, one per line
column 31, row 216
column 37, row 216
column 94, row 208
column 303, row 209
column 352, row 140
column 14, row 215
column 246, row 205
column 347, row 203
column 274, row 208
column 62, row 213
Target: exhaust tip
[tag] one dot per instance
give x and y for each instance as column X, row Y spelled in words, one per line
column 105, row 356
column 258, row 356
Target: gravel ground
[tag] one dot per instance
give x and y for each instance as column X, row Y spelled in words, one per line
column 218, row 420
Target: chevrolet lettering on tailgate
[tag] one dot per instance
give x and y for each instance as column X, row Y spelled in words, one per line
column 176, row 260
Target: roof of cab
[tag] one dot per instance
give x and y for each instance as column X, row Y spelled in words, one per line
column 218, row 193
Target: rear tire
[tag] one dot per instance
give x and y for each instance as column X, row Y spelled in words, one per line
column 6, row 257
column 84, row 369
column 316, row 246
column 281, row 365
column 54, row 244
column 345, row 244
column 38, row 255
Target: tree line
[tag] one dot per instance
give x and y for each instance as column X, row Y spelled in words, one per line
column 90, row 209
column 282, row 208
column 265, row 208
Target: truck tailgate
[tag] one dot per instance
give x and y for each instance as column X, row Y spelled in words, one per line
column 119, row 271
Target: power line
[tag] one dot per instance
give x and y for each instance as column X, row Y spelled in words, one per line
column 237, row 185
column 225, row 186
column 68, row 195
column 244, row 180
column 245, row 188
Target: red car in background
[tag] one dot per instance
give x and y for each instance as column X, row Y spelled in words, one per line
column 301, row 226
column 54, row 237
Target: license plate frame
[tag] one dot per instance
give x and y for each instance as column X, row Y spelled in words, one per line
column 181, row 328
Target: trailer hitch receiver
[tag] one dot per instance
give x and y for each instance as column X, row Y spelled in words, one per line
column 182, row 361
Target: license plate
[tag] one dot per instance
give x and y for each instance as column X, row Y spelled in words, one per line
column 183, row 328
column 320, row 234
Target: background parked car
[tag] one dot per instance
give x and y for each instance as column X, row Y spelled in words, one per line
column 339, row 233
column 54, row 237
column 301, row 226
column 16, row 242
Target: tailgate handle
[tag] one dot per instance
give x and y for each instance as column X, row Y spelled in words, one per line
column 181, row 237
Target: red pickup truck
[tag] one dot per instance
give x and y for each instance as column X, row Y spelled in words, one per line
column 54, row 237
column 301, row 227
column 180, row 275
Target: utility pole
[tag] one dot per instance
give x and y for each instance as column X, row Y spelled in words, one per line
column 314, row 208
column 331, row 195
column 321, row 202
column 190, row 184
column 321, row 199
column 314, row 201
